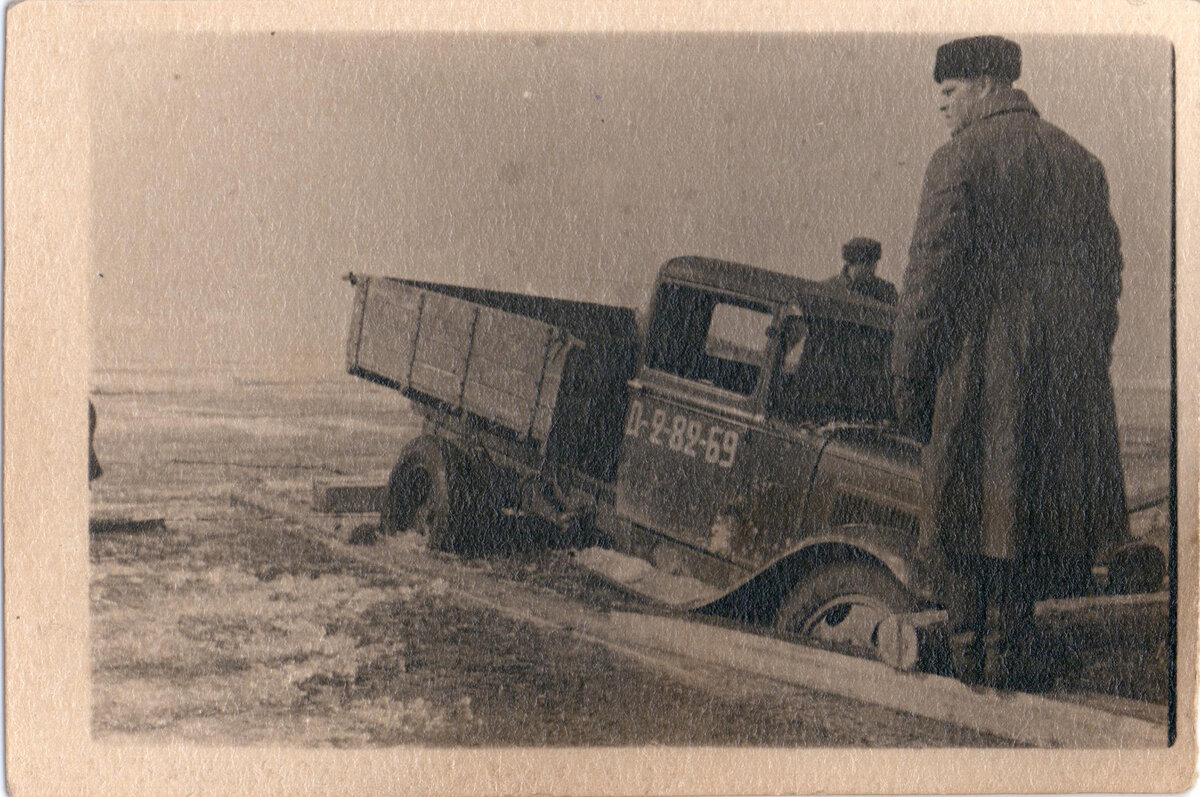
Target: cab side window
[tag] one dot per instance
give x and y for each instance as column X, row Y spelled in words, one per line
column 708, row 338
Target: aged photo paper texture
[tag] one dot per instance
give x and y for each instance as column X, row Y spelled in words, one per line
column 637, row 400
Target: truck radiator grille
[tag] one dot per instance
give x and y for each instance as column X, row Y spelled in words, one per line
column 850, row 509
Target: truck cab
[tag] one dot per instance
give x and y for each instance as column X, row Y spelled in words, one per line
column 757, row 434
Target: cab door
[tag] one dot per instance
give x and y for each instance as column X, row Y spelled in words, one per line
column 691, row 411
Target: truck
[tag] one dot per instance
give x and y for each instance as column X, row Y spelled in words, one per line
column 732, row 450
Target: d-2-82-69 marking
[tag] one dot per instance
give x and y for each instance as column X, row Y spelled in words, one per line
column 684, row 435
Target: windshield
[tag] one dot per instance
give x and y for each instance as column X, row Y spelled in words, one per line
column 832, row 371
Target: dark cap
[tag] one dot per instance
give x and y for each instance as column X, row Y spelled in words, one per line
column 862, row 250
column 978, row 56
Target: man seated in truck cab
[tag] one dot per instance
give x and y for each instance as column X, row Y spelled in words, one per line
column 832, row 370
column 861, row 256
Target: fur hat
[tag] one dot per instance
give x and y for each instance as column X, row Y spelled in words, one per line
column 976, row 57
column 862, row 250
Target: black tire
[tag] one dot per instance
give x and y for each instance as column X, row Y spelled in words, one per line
column 840, row 605
column 430, row 492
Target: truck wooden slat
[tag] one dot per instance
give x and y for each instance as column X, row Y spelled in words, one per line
column 507, row 366
column 442, row 354
column 489, row 375
column 387, row 320
column 443, row 345
column 516, row 342
column 511, row 402
column 354, row 335
column 443, row 385
column 543, row 413
column 510, row 357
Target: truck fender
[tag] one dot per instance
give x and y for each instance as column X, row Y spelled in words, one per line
column 890, row 548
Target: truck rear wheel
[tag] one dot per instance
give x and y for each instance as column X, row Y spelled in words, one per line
column 430, row 492
column 841, row 605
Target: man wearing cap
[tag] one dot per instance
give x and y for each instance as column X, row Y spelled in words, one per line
column 858, row 274
column 1002, row 347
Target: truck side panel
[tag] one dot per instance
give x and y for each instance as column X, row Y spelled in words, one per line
column 473, row 353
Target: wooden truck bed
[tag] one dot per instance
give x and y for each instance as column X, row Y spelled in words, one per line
column 546, row 372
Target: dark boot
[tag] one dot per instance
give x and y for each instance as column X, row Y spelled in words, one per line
column 967, row 658
column 966, row 607
column 1031, row 660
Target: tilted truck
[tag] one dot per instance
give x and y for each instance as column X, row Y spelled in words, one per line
column 735, row 452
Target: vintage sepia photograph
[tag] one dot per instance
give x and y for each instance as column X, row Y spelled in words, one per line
column 512, row 391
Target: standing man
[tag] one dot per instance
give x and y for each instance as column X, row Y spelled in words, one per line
column 1002, row 348
column 861, row 256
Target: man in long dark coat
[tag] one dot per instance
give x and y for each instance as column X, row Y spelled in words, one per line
column 1001, row 357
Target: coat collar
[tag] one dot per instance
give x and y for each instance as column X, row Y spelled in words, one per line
column 1001, row 102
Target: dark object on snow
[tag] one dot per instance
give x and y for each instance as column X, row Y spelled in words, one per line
column 1023, row 659
column 94, row 469
column 126, row 525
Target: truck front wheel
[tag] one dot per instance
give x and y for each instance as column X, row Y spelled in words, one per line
column 429, row 492
column 841, row 605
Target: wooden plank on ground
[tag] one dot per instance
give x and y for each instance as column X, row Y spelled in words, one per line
column 348, row 496
column 127, row 519
column 1148, row 499
column 643, row 578
column 1052, row 606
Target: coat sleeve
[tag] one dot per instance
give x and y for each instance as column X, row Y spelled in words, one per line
column 1105, row 242
column 889, row 293
column 933, row 289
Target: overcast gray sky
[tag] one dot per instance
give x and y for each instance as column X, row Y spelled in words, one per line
column 236, row 177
